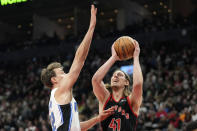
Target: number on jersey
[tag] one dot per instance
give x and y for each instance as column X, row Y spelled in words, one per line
column 115, row 124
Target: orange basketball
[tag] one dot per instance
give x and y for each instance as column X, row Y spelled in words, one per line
column 124, row 47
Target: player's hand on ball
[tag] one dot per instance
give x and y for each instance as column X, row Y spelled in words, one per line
column 106, row 113
column 93, row 16
column 137, row 49
column 114, row 54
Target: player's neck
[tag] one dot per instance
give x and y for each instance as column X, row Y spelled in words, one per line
column 117, row 94
column 54, row 87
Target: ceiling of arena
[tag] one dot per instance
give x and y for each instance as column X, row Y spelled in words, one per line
column 63, row 11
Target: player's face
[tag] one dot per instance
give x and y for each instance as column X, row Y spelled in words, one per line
column 60, row 74
column 118, row 79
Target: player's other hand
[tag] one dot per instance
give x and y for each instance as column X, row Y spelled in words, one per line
column 93, row 16
column 114, row 54
column 106, row 113
column 137, row 49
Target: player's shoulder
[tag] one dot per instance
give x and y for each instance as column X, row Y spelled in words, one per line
column 63, row 97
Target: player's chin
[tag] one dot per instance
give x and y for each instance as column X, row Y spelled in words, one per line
column 114, row 85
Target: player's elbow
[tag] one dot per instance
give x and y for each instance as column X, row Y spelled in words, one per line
column 138, row 85
column 80, row 56
column 95, row 80
column 95, row 84
column 138, row 82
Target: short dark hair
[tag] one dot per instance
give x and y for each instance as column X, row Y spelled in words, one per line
column 48, row 73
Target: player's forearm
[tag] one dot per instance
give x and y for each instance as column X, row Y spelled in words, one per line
column 137, row 76
column 85, row 125
column 102, row 71
column 83, row 48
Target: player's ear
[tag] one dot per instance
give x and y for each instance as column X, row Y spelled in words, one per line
column 127, row 82
column 53, row 80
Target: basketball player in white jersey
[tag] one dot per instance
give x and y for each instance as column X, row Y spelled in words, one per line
column 63, row 109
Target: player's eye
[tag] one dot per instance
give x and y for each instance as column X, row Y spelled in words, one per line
column 119, row 74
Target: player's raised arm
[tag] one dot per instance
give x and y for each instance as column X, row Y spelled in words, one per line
column 136, row 95
column 80, row 55
column 97, row 81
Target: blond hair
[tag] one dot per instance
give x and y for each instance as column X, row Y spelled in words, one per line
column 127, row 89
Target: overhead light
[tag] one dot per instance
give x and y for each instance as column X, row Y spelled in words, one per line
column 161, row 3
column 111, row 19
column 146, row 6
column 165, row 6
column 59, row 20
column 169, row 10
column 154, row 13
column 72, row 18
column 115, row 11
column 19, row 26
column 30, row 24
column 68, row 26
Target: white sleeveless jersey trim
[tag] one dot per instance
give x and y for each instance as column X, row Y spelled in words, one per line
column 74, row 124
column 58, row 119
column 61, row 114
column 71, row 116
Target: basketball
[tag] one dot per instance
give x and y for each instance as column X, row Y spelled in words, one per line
column 124, row 47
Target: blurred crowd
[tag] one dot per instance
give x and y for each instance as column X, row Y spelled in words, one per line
column 169, row 90
column 170, row 87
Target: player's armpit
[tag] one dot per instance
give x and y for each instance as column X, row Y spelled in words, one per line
column 135, row 100
column 100, row 90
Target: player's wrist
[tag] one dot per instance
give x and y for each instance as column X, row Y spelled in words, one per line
column 114, row 57
column 92, row 26
column 98, row 119
column 136, row 58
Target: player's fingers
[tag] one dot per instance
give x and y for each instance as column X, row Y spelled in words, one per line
column 112, row 108
column 92, row 8
column 109, row 110
column 95, row 11
column 113, row 45
column 108, row 113
column 136, row 44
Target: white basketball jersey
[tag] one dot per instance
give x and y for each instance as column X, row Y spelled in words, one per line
column 63, row 117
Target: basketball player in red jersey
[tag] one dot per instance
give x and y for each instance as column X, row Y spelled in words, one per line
column 63, row 110
column 126, row 103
